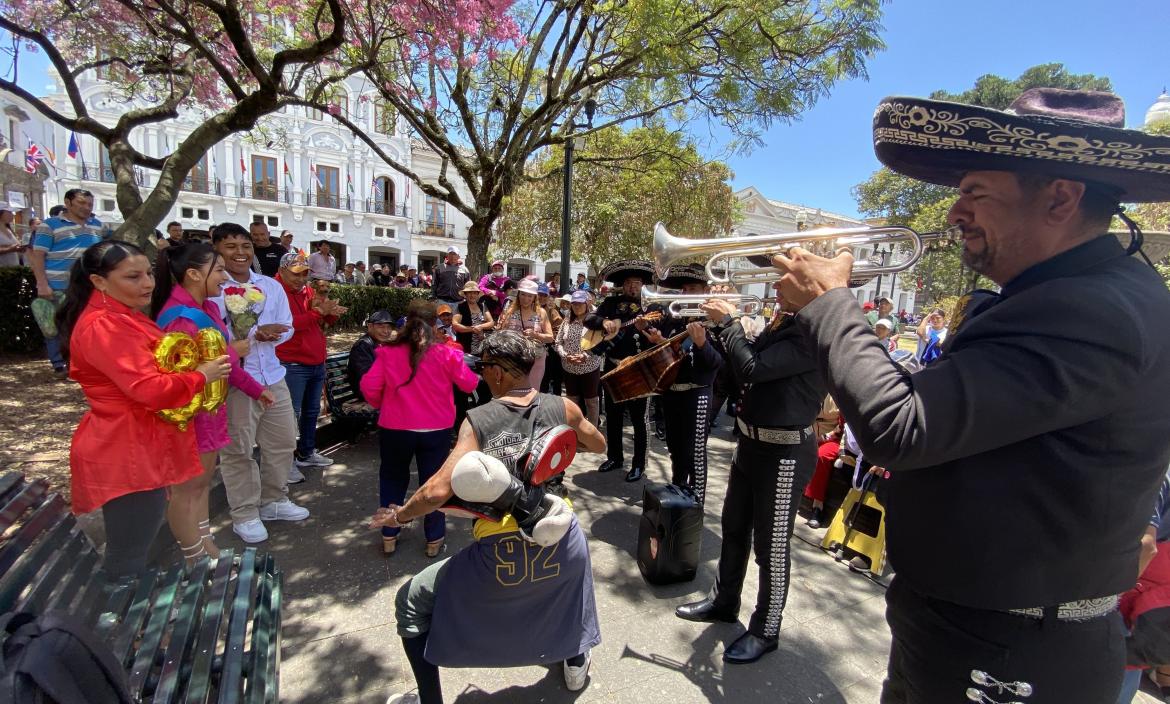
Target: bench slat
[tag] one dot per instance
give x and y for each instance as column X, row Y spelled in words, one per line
column 158, row 619
column 10, row 483
column 199, row 677
column 77, row 587
column 30, row 494
column 126, row 629
column 261, row 674
column 182, row 636
column 272, row 686
column 230, row 688
column 51, row 577
column 18, row 564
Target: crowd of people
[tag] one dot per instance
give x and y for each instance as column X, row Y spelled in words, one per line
column 1055, row 417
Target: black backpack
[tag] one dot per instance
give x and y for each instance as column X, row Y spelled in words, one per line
column 54, row 659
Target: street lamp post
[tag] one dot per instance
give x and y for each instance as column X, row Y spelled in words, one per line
column 567, row 201
column 878, row 293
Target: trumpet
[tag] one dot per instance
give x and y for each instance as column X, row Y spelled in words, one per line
column 669, row 249
column 686, row 305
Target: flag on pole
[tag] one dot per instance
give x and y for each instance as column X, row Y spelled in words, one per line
column 243, row 169
column 33, row 156
column 74, row 148
column 316, row 174
column 349, row 183
column 288, row 175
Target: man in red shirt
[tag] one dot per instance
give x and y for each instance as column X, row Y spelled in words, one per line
column 303, row 355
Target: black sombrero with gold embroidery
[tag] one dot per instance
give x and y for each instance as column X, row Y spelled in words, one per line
column 618, row 272
column 1077, row 135
column 681, row 274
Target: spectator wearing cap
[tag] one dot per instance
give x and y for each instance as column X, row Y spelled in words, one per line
column 582, row 284
column 525, row 316
column 582, row 371
column 347, row 275
column 381, row 276
column 444, row 317
column 322, row 263
column 286, row 239
column 553, row 377
column 400, row 281
column 884, row 329
column 884, row 311
column 303, row 355
column 379, row 331
column 449, row 278
column 360, row 277
column 495, row 288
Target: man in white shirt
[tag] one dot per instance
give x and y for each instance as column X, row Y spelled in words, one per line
column 258, row 493
column 322, row 263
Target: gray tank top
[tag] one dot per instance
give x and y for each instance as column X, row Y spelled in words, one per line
column 505, row 430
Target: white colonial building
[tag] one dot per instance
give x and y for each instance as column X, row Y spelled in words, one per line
column 300, row 171
column 765, row 216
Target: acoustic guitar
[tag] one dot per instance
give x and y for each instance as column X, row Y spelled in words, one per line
column 593, row 338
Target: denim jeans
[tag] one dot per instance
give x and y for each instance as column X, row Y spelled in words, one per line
column 305, row 382
column 398, row 447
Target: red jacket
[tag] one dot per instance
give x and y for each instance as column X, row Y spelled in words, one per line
column 307, row 345
column 122, row 445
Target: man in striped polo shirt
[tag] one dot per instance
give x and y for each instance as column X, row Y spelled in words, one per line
column 56, row 245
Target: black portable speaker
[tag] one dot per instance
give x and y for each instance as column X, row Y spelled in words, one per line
column 669, row 535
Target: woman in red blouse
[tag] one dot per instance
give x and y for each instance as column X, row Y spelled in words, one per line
column 124, row 454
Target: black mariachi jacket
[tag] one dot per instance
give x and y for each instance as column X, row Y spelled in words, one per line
column 778, row 373
column 629, row 341
column 700, row 364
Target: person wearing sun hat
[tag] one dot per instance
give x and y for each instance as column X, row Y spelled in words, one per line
column 494, row 286
column 610, row 315
column 1036, row 441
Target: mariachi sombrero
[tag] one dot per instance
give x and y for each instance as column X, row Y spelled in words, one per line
column 1077, row 135
column 681, row 274
column 620, row 271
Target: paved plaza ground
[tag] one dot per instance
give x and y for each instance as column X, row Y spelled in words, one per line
column 339, row 636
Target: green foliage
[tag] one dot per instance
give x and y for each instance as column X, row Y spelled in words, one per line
column 998, row 92
column 18, row 330
column 363, row 300
column 923, row 206
column 623, row 183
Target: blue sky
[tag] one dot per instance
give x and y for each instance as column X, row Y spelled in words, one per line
column 931, row 45
column 944, row 44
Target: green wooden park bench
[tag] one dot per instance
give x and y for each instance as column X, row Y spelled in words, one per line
column 346, row 407
column 208, row 634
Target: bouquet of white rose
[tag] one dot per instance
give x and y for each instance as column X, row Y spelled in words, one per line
column 244, row 302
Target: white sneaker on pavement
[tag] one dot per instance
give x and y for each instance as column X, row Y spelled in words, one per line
column 575, row 677
column 314, row 460
column 407, row 698
column 283, row 510
column 294, row 475
column 252, row 531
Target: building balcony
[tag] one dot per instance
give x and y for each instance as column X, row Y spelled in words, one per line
column 378, row 206
column 435, row 229
column 329, row 200
column 105, row 174
column 202, row 185
column 264, row 191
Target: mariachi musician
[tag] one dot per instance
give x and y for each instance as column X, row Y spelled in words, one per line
column 686, row 405
column 773, row 460
column 620, row 315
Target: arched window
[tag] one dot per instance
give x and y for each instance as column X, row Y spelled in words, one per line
column 384, row 195
column 385, row 117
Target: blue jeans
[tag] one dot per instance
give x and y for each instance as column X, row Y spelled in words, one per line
column 53, row 352
column 305, row 382
column 398, row 448
column 1130, row 686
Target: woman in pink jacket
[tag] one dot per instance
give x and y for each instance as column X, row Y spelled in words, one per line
column 410, row 383
column 188, row 277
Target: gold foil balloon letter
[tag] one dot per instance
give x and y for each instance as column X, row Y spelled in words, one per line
column 178, row 352
column 212, row 345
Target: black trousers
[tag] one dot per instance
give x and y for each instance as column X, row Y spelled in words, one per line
column 939, row 647
column 763, row 492
column 688, row 422
column 615, row 422
column 724, row 390
column 554, row 373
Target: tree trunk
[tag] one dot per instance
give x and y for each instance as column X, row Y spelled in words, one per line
column 479, row 237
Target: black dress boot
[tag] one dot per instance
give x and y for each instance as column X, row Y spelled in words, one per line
column 609, row 466
column 634, row 474
column 706, row 611
column 748, row 648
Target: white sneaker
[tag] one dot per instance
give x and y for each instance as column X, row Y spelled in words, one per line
column 252, row 531
column 283, row 510
column 314, row 460
column 407, row 698
column 575, row 676
column 294, row 475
